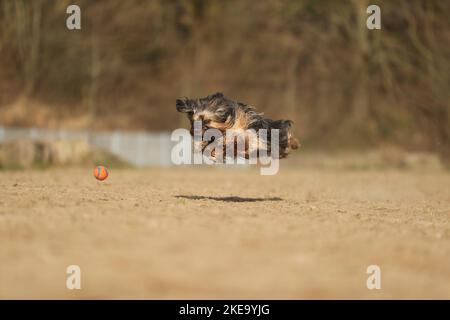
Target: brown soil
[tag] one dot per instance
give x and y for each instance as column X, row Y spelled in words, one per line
column 225, row 233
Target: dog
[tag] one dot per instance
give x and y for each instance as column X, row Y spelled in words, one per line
column 218, row 112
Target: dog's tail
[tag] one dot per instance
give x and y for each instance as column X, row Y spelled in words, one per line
column 292, row 141
column 287, row 141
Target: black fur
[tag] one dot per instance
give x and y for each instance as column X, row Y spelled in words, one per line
column 217, row 111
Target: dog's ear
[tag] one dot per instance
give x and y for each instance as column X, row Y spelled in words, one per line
column 287, row 123
column 185, row 105
column 217, row 95
column 280, row 124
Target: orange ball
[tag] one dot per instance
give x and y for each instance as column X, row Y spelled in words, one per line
column 100, row 173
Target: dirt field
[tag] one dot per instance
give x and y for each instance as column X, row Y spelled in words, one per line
column 225, row 233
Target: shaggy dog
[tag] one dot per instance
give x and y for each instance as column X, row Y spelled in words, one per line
column 218, row 112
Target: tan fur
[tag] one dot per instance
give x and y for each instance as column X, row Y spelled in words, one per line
column 241, row 120
column 240, row 124
column 217, row 112
column 293, row 142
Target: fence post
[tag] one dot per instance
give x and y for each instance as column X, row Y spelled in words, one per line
column 34, row 134
column 2, row 134
column 115, row 143
column 164, row 149
column 141, row 145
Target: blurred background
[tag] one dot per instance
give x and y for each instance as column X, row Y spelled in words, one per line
column 315, row 62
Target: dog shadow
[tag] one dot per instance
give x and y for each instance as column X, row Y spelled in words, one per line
column 229, row 199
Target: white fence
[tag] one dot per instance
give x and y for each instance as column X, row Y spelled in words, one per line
column 139, row 148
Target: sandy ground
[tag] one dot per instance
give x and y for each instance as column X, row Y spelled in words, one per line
column 225, row 233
